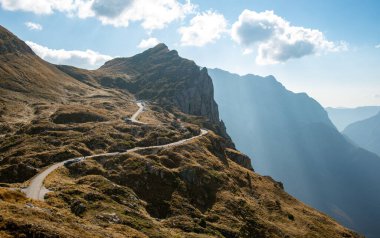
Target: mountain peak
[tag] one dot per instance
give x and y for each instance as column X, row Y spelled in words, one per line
column 157, row 52
column 161, row 46
column 159, row 49
column 9, row 43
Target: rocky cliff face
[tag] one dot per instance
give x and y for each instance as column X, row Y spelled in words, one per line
column 161, row 75
column 239, row 158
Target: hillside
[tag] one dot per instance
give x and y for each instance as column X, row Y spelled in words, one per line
column 365, row 133
column 342, row 117
column 292, row 139
column 27, row 83
column 200, row 188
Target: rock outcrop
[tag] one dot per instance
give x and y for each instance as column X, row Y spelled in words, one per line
column 239, row 158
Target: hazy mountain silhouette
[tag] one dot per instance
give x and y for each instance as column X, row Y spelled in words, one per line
column 290, row 137
column 342, row 117
column 366, row 133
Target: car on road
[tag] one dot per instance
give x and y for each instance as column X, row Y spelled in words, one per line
column 72, row 161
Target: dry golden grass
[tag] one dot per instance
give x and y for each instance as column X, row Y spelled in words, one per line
column 84, row 125
column 20, row 216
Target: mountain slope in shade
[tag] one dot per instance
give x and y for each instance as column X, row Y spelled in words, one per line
column 342, row 117
column 290, row 137
column 365, row 133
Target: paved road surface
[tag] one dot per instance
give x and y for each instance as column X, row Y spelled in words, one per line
column 134, row 117
column 36, row 189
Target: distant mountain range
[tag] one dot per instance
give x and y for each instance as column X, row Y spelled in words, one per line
column 365, row 133
column 290, row 137
column 342, row 117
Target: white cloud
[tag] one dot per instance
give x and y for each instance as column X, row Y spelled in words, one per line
column 204, row 28
column 377, row 46
column 86, row 59
column 276, row 40
column 147, row 43
column 33, row 26
column 152, row 14
column 39, row 6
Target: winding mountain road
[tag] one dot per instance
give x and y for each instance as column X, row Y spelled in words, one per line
column 134, row 117
column 36, row 189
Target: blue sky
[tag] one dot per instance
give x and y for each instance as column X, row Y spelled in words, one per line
column 324, row 48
